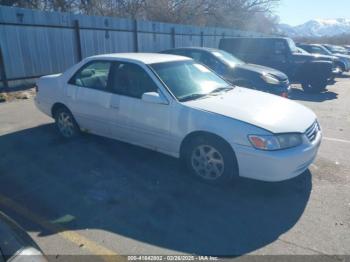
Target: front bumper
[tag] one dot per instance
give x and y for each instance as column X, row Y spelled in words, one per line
column 346, row 65
column 283, row 89
column 336, row 71
column 274, row 166
column 347, row 68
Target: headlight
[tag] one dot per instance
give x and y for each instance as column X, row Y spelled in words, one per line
column 275, row 142
column 346, row 61
column 270, row 79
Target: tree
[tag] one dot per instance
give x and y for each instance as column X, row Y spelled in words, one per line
column 239, row 14
column 176, row 11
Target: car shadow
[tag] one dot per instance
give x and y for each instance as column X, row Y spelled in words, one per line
column 98, row 183
column 298, row 94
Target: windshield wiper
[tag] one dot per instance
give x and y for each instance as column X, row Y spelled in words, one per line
column 221, row 89
column 192, row 97
column 198, row 96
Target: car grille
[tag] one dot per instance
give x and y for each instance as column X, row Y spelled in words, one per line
column 312, row 131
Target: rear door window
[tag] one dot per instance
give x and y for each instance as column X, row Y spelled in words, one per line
column 92, row 75
column 280, row 48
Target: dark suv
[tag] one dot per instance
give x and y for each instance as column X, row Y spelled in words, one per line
column 236, row 71
column 282, row 54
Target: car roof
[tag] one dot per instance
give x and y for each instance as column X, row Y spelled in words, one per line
column 208, row 49
column 145, row 58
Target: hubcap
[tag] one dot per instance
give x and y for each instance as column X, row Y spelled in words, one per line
column 65, row 124
column 207, row 162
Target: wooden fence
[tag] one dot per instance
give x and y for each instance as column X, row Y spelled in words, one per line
column 35, row 43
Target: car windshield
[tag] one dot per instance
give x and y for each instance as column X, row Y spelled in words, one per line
column 188, row 80
column 324, row 51
column 292, row 46
column 227, row 58
column 302, row 51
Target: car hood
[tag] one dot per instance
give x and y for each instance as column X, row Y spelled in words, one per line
column 325, row 57
column 270, row 112
column 264, row 70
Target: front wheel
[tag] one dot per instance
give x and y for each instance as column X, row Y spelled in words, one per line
column 211, row 159
column 65, row 123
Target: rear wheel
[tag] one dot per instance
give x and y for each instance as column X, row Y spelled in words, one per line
column 211, row 159
column 65, row 123
column 315, row 86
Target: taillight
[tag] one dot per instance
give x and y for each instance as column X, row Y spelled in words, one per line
column 284, row 94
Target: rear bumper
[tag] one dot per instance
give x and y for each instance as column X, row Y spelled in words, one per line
column 274, row 166
column 42, row 106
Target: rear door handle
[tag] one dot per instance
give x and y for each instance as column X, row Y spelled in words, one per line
column 115, row 107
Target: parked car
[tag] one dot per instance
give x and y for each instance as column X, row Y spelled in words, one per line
column 347, row 47
column 281, row 54
column 177, row 106
column 236, row 71
column 15, row 244
column 342, row 62
column 336, row 68
column 336, row 49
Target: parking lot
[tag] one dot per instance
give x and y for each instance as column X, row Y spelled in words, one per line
column 98, row 196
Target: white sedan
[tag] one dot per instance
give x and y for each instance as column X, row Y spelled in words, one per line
column 176, row 106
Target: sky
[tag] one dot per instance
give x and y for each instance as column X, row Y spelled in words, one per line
column 296, row 12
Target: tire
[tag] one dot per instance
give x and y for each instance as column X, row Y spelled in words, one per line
column 211, row 159
column 314, row 86
column 65, row 123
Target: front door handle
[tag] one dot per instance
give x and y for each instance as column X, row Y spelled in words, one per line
column 115, row 107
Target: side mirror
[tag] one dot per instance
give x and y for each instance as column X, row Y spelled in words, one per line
column 153, row 97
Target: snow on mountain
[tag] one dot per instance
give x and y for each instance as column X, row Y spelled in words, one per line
column 318, row 27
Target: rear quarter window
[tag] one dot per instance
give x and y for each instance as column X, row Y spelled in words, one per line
column 244, row 46
column 93, row 75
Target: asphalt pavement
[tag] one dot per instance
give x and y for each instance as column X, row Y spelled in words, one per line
column 97, row 196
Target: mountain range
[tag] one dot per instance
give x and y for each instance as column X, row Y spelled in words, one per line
column 317, row 28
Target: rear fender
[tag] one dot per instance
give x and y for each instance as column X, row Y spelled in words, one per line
column 315, row 70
